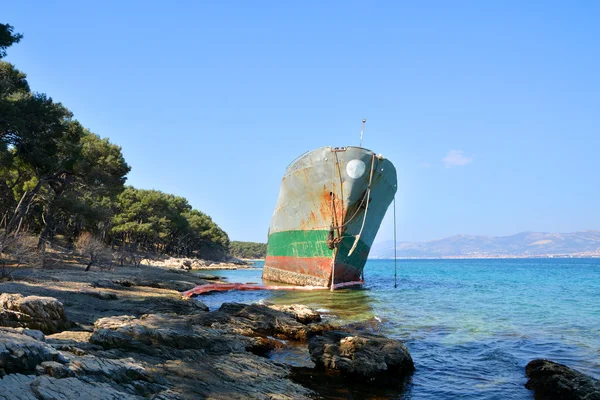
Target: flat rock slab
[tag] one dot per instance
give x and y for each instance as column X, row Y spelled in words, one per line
column 17, row 387
column 42, row 313
column 21, row 353
column 165, row 330
column 237, row 376
column 550, row 381
column 365, row 358
column 48, row 388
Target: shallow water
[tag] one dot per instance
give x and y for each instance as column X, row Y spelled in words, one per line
column 471, row 325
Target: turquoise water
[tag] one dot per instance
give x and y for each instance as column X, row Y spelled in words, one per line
column 471, row 325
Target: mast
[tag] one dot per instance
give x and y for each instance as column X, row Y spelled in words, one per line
column 362, row 130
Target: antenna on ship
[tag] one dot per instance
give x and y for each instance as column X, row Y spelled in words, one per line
column 362, row 130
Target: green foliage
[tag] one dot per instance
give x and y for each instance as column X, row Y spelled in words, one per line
column 56, row 177
column 7, row 38
column 251, row 250
column 154, row 221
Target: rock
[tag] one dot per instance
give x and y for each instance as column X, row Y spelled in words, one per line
column 76, row 342
column 27, row 387
column 22, row 353
column 166, row 395
column 124, row 283
column 168, row 330
column 48, row 388
column 105, row 369
column 369, row 358
column 54, row 369
column 256, row 319
column 550, row 380
column 170, row 284
column 70, row 337
column 42, row 313
column 99, row 294
column 17, row 387
column 208, row 277
column 105, row 283
column 301, row 313
column 32, row 333
column 237, row 376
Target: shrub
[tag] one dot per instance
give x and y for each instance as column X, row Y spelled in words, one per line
column 17, row 251
column 93, row 249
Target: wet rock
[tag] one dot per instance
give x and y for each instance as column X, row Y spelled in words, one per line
column 21, row 353
column 550, row 380
column 208, row 277
column 368, row 358
column 256, row 319
column 42, row 313
column 299, row 312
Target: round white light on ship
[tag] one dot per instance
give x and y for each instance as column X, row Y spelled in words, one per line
column 355, row 169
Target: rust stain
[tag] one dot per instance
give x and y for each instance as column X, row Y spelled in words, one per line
column 331, row 207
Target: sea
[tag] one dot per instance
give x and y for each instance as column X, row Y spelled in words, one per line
column 471, row 325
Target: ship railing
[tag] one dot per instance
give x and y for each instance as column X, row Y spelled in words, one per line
column 296, row 159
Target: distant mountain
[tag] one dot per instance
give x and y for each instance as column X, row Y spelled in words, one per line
column 535, row 244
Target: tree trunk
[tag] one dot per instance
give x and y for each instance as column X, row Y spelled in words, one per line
column 22, row 208
column 49, row 217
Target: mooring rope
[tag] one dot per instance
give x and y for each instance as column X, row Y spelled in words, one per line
column 395, row 246
column 366, row 206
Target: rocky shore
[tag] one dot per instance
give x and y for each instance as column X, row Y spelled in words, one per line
column 191, row 264
column 127, row 333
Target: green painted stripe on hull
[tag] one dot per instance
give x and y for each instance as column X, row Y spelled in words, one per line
column 309, row 243
column 312, row 244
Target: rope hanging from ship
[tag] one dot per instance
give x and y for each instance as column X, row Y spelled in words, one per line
column 332, row 240
column 366, row 207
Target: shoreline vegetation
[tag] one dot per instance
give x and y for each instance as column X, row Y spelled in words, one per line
column 62, row 184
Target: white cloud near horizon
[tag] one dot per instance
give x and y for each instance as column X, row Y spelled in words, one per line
column 456, row 158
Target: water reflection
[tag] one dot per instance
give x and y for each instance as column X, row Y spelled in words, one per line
column 348, row 304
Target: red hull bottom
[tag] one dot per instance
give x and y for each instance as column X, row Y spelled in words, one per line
column 313, row 271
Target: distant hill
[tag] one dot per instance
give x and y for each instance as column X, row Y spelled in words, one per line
column 534, row 244
column 251, row 250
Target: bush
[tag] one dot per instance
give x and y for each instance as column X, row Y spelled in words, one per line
column 93, row 249
column 17, row 251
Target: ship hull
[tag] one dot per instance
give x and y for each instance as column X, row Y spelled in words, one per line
column 330, row 206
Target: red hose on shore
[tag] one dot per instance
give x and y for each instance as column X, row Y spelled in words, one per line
column 245, row 286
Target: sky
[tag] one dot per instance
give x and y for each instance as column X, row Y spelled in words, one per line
column 490, row 110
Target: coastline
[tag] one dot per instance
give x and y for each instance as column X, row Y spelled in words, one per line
column 127, row 333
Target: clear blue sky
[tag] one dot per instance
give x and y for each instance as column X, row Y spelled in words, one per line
column 212, row 99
